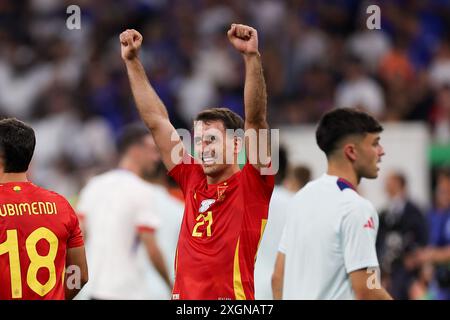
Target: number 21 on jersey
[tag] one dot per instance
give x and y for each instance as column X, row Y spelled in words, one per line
column 203, row 219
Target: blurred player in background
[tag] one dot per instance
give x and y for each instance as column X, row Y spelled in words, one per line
column 225, row 208
column 267, row 252
column 118, row 210
column 328, row 245
column 39, row 231
column 297, row 178
column 167, row 236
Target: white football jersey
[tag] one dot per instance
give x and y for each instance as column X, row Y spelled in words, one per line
column 114, row 207
column 268, row 248
column 330, row 231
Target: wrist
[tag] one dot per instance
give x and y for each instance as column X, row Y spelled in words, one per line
column 251, row 55
column 131, row 61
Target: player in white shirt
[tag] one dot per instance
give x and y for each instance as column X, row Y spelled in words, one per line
column 167, row 235
column 119, row 213
column 327, row 250
column 268, row 248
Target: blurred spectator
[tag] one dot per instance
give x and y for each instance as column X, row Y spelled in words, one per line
column 402, row 230
column 438, row 253
column 420, row 287
column 359, row 90
column 396, row 73
column 368, row 45
column 310, row 46
column 440, row 66
column 21, row 79
column 297, row 178
column 440, row 115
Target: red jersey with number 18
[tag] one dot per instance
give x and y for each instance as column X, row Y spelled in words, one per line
column 36, row 228
column 220, row 233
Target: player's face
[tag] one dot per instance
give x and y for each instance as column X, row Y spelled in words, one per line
column 148, row 156
column 211, row 143
column 369, row 152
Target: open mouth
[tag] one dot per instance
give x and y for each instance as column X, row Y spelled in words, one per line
column 208, row 159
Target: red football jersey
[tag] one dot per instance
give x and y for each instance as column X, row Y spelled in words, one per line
column 36, row 228
column 220, row 233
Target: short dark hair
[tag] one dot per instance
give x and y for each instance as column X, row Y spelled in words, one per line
column 17, row 143
column 340, row 123
column 302, row 174
column 230, row 119
column 130, row 135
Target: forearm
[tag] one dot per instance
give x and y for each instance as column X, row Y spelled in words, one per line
column 255, row 95
column 374, row 294
column 76, row 273
column 149, row 105
column 71, row 287
column 277, row 288
column 278, row 277
column 71, row 293
column 160, row 266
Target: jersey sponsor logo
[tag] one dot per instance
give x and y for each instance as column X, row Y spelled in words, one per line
column 205, row 204
column 176, row 296
column 370, row 224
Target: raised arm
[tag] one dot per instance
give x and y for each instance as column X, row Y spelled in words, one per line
column 245, row 40
column 152, row 110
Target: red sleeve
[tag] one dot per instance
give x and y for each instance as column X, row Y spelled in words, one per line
column 187, row 173
column 145, row 229
column 75, row 235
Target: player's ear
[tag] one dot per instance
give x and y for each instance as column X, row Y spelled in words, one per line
column 350, row 151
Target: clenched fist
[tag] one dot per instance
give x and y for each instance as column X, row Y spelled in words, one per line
column 243, row 38
column 130, row 43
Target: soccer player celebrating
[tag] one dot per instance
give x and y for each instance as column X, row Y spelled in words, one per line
column 327, row 250
column 39, row 232
column 225, row 208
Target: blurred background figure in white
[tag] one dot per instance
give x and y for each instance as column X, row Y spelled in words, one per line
column 119, row 212
column 268, row 248
column 171, row 209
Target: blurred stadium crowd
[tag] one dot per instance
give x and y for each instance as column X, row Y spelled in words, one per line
column 72, row 87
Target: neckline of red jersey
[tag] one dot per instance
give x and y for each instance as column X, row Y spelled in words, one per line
column 21, row 183
column 224, row 182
